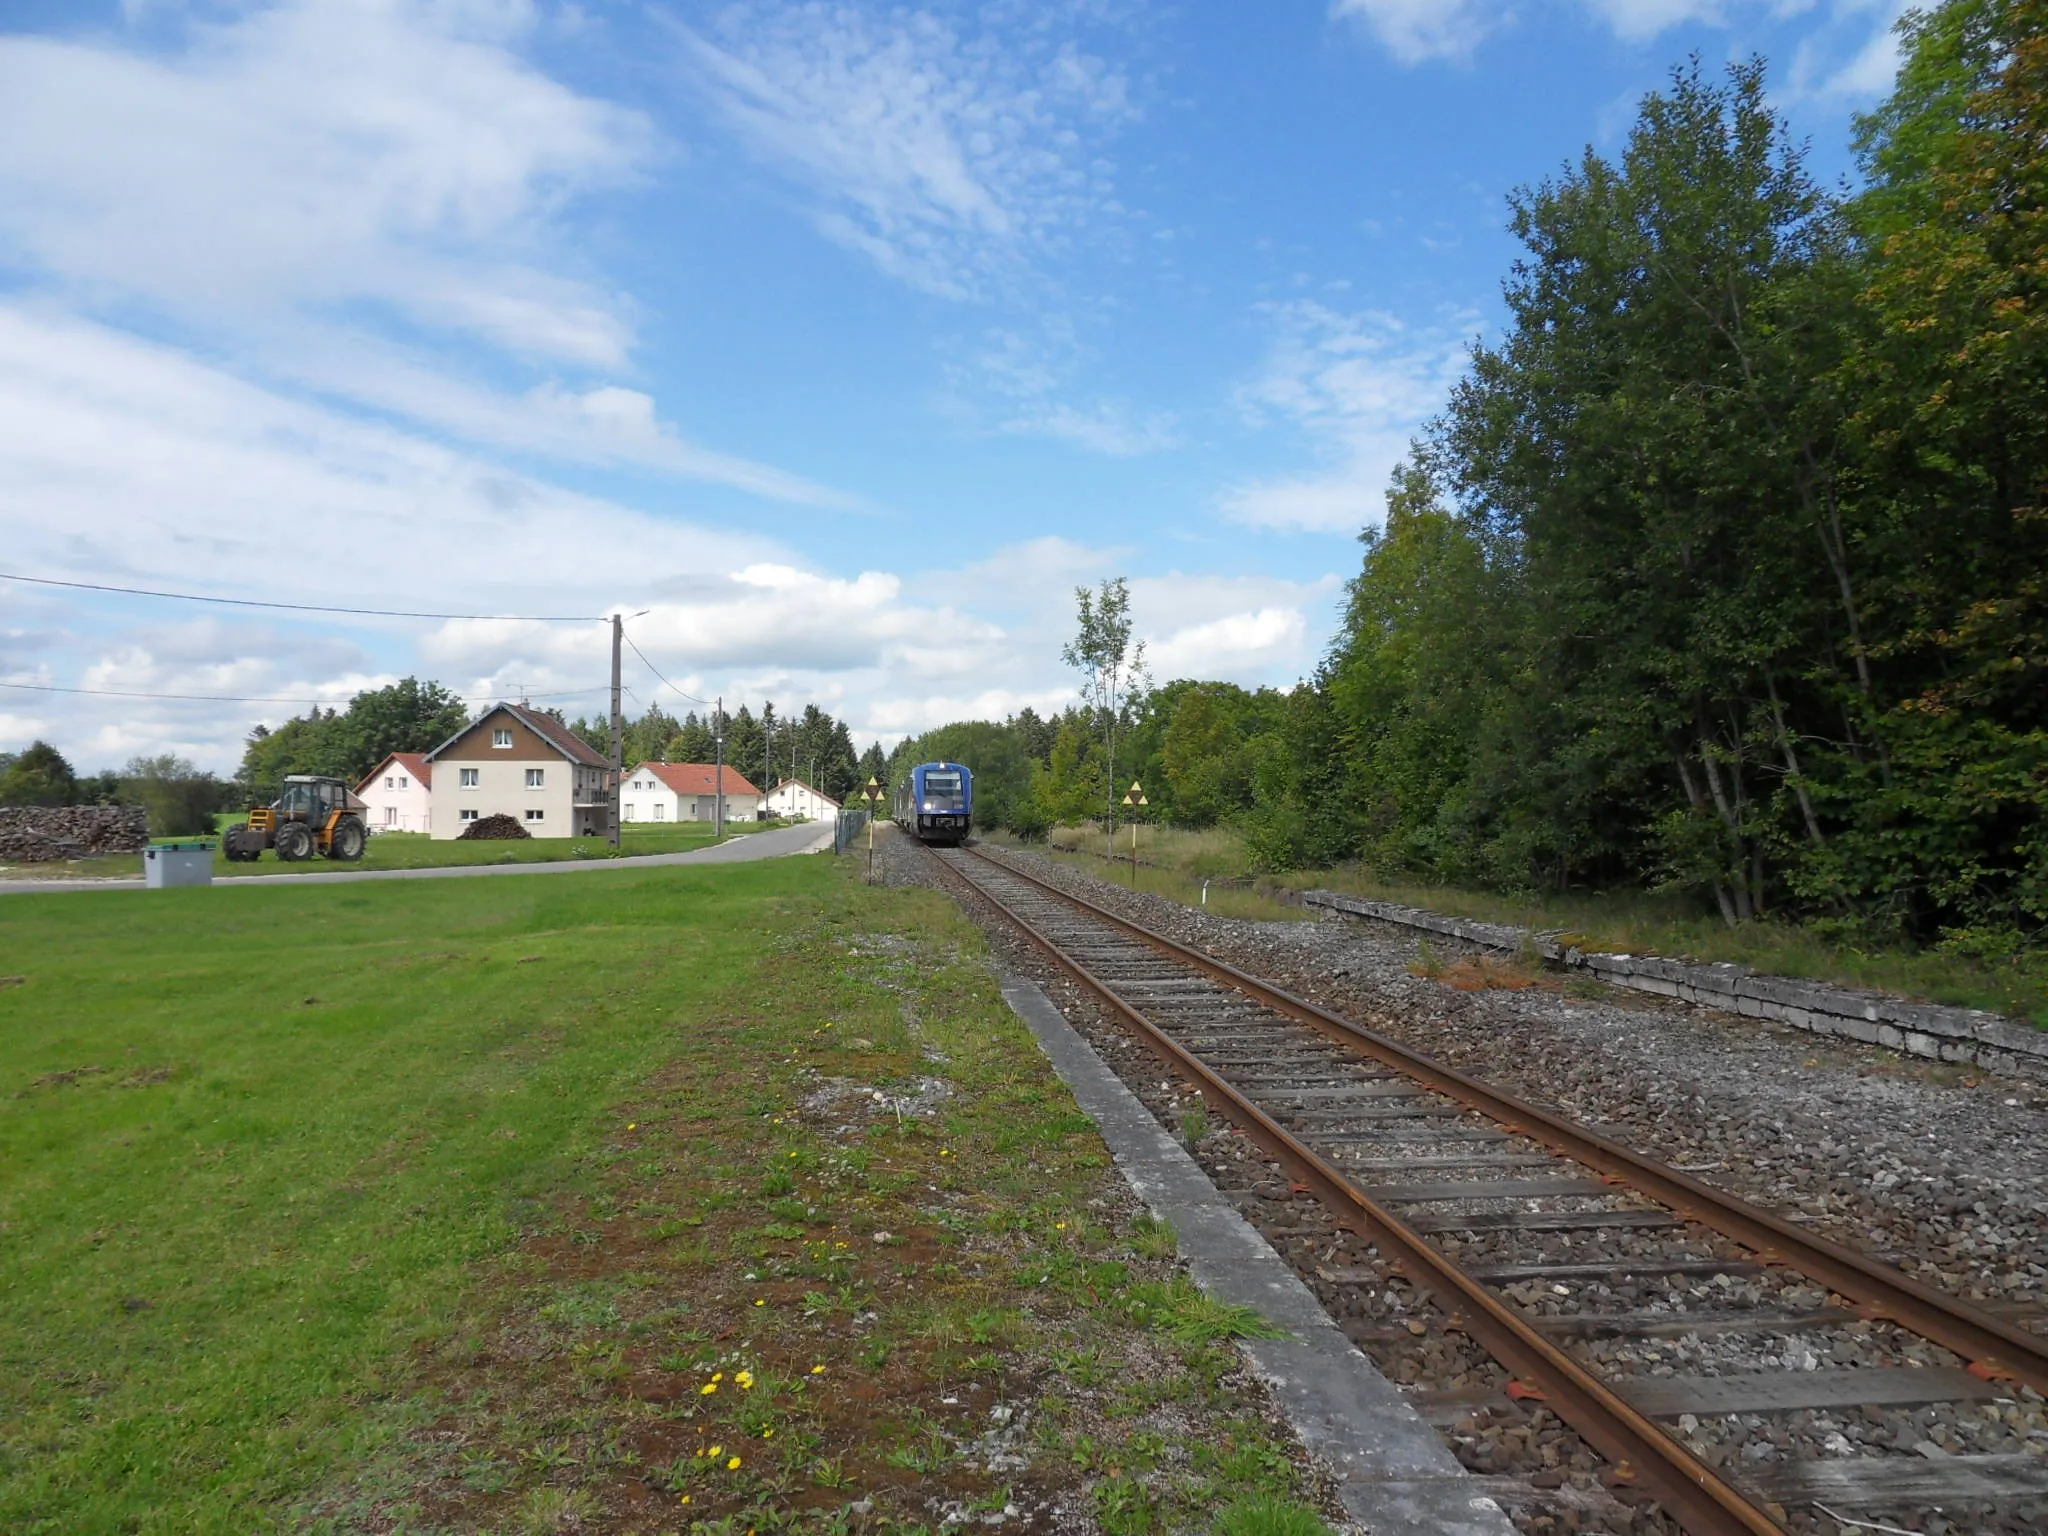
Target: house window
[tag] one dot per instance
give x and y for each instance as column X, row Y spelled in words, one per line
column 535, row 815
column 469, row 815
column 501, row 738
column 660, row 811
column 632, row 811
column 469, row 781
column 387, row 781
column 390, row 815
column 536, row 778
column 401, row 781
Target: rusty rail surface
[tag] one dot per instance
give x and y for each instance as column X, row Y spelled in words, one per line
column 1641, row 1453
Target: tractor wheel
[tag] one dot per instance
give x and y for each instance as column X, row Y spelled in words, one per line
column 347, row 842
column 232, row 845
column 294, row 842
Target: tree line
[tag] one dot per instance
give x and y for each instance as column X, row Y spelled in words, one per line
column 415, row 716
column 1722, row 571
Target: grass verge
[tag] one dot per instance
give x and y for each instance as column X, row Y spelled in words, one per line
column 446, row 1211
column 412, row 850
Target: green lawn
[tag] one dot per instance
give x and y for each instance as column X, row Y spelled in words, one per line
column 415, row 850
column 435, row 1205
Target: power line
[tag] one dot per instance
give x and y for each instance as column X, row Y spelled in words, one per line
column 250, row 602
column 228, row 698
column 650, row 666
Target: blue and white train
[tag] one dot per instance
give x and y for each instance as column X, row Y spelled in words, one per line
column 935, row 803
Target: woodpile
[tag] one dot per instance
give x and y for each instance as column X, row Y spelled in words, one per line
column 37, row 834
column 485, row 827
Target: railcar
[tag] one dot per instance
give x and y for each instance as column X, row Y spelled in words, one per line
column 935, row 803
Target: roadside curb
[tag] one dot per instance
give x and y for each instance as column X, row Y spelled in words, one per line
column 1926, row 1030
column 1394, row 1473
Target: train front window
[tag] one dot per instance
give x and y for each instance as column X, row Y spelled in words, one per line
column 942, row 792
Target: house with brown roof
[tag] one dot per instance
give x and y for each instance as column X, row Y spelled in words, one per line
column 686, row 792
column 516, row 761
column 394, row 794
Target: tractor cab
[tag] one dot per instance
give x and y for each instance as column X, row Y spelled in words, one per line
column 309, row 797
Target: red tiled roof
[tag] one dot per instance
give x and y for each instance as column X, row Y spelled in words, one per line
column 697, row 778
column 414, row 763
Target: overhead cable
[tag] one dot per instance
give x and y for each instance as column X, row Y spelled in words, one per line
column 650, row 666
column 250, row 602
column 231, row 698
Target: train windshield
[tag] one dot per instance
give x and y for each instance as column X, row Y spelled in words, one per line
column 942, row 792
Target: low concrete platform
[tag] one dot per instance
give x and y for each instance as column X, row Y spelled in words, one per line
column 1395, row 1476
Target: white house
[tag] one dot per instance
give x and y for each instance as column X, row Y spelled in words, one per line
column 395, row 794
column 685, row 792
column 515, row 761
column 794, row 800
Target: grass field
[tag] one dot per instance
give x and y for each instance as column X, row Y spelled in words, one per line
column 1174, row 863
column 415, row 850
column 498, row 1205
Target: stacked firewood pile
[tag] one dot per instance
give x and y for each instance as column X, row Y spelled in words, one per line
column 483, row 827
column 36, row 834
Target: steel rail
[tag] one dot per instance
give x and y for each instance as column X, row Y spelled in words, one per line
column 1993, row 1347
column 1643, row 1455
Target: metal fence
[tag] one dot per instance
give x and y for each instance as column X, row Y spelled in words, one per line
column 846, row 830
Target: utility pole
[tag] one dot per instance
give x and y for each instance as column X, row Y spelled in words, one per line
column 718, row 738
column 618, row 773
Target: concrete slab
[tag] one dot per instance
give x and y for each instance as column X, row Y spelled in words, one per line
column 806, row 837
column 1394, row 1474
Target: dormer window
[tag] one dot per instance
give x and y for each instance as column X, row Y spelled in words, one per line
column 501, row 738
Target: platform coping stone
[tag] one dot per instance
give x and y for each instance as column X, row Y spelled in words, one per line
column 1394, row 1474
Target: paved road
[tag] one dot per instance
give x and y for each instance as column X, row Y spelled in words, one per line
column 805, row 837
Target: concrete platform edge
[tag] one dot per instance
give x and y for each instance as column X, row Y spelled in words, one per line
column 1394, row 1473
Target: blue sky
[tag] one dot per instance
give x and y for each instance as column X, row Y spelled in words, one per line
column 844, row 339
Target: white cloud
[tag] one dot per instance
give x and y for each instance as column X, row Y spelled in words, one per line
column 1359, row 387
column 1232, row 646
column 1415, row 31
column 948, row 157
column 1854, row 58
column 1109, row 427
column 1418, row 31
column 313, row 155
column 319, row 187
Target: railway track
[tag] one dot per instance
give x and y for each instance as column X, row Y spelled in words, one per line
column 1582, row 1267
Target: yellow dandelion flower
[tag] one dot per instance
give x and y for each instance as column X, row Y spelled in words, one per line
column 745, row 1380
column 760, row 1301
column 817, row 1370
column 633, row 1125
column 1059, row 1226
column 718, row 1375
column 686, row 1498
column 792, row 1154
column 733, row 1465
column 717, row 1450
column 707, row 1389
column 767, row 1434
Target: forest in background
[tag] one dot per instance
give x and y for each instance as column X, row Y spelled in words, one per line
column 1722, row 571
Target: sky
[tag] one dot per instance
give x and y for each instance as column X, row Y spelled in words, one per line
column 835, row 342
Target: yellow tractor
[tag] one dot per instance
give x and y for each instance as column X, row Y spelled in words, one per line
column 313, row 815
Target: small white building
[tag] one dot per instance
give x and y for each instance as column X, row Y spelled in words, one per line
column 685, row 792
column 794, row 800
column 516, row 761
column 396, row 794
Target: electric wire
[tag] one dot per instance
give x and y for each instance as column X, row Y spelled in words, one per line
column 250, row 602
column 232, row 698
column 650, row 666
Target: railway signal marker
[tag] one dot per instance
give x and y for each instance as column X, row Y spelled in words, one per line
column 1135, row 797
